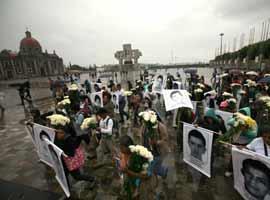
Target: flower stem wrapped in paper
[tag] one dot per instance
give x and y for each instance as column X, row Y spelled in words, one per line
column 139, row 163
column 150, row 120
column 89, row 123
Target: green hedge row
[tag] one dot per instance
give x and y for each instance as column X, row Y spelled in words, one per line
column 250, row 52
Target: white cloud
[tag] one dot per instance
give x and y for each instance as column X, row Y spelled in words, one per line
column 90, row 31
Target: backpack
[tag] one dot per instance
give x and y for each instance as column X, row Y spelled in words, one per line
column 115, row 125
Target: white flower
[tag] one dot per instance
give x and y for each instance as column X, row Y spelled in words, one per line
column 200, row 85
column 57, row 119
column 73, row 87
column 235, row 84
column 128, row 93
column 212, row 93
column 252, row 73
column 264, row 98
column 146, row 116
column 242, row 92
column 266, row 75
column 227, row 94
column 199, row 90
column 142, row 151
column 251, row 83
column 64, row 102
column 66, row 97
column 153, row 119
column 232, row 100
column 87, row 122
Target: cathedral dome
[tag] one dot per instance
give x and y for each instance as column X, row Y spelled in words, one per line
column 29, row 44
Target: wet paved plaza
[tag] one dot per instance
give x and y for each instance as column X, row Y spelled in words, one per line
column 19, row 164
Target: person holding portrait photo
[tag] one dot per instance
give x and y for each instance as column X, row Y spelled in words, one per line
column 159, row 83
column 97, row 100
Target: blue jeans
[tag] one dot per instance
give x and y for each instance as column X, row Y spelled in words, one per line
column 157, row 167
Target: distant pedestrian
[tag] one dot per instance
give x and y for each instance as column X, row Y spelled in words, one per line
column 2, row 98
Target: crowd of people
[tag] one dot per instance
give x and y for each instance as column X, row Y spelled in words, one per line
column 142, row 109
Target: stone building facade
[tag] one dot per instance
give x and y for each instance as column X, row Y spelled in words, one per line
column 30, row 61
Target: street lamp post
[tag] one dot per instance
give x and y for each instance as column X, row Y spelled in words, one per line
column 221, row 36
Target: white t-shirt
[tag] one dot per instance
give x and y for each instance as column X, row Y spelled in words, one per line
column 106, row 126
column 257, row 145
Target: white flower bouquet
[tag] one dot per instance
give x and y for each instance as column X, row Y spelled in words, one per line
column 150, row 121
column 64, row 102
column 237, row 123
column 227, row 94
column 89, row 122
column 200, row 85
column 128, row 93
column 139, row 162
column 251, row 83
column 73, row 87
column 57, row 120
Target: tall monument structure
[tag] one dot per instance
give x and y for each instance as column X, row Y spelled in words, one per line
column 128, row 55
column 128, row 68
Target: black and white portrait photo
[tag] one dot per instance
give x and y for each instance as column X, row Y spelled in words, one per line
column 96, row 99
column 55, row 154
column 251, row 174
column 158, row 84
column 176, row 98
column 197, row 143
column 115, row 101
column 42, row 132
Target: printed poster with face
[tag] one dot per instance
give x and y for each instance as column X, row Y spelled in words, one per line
column 176, row 99
column 115, row 101
column 96, row 99
column 158, row 84
column 95, row 86
column 55, row 154
column 42, row 132
column 224, row 115
column 251, row 174
column 197, row 143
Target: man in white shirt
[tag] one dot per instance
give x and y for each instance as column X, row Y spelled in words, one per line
column 106, row 130
column 261, row 145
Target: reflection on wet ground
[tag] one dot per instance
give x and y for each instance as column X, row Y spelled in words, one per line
column 19, row 164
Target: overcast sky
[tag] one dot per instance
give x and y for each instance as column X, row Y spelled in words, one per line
column 90, row 31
